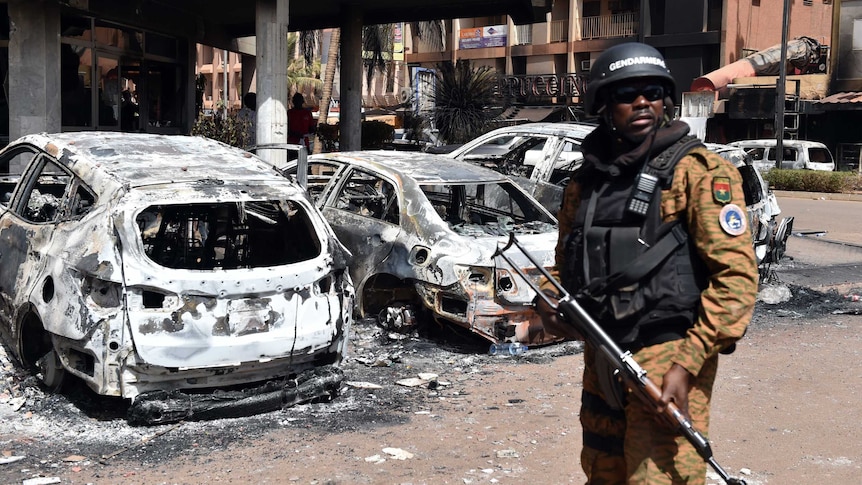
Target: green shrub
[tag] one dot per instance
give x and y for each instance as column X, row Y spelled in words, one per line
column 327, row 136
column 376, row 134
column 228, row 129
column 812, row 180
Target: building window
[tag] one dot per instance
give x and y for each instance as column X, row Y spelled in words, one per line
column 117, row 78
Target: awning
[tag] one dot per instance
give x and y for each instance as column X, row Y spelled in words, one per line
column 849, row 101
column 529, row 113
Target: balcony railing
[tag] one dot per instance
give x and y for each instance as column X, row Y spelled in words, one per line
column 559, row 30
column 609, row 26
column 523, row 34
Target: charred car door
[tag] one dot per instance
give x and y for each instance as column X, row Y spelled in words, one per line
column 13, row 240
column 32, row 233
column 364, row 212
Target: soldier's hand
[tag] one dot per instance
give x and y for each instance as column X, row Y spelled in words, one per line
column 676, row 384
column 552, row 321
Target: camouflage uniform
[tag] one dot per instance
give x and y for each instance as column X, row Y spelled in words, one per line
column 631, row 445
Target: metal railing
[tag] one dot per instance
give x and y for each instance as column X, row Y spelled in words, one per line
column 523, row 34
column 559, row 30
column 609, row 26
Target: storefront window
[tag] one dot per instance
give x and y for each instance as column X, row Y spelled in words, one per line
column 160, row 45
column 117, row 78
column 164, row 95
column 76, row 86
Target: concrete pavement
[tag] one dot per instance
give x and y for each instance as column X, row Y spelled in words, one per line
column 825, row 247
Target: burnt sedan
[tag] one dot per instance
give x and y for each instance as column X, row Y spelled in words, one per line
column 423, row 229
column 144, row 263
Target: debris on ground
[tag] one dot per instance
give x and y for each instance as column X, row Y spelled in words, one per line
column 773, row 294
column 398, row 453
column 160, row 407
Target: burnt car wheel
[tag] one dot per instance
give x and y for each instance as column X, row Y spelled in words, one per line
column 38, row 355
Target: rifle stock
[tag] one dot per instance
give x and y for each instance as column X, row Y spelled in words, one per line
column 623, row 361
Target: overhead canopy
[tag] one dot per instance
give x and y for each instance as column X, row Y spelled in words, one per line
column 220, row 22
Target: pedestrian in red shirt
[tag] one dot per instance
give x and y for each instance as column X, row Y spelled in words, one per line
column 300, row 123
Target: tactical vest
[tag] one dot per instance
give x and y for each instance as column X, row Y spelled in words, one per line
column 639, row 277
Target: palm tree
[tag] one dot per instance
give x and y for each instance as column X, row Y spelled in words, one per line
column 303, row 71
column 328, row 79
column 377, row 41
column 463, row 100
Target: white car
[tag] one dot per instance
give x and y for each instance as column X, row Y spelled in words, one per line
column 768, row 235
column 423, row 229
column 797, row 154
column 541, row 157
column 142, row 264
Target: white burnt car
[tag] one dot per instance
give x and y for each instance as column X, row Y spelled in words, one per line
column 423, row 229
column 768, row 235
column 542, row 157
column 141, row 263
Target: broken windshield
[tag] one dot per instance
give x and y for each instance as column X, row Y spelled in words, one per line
column 493, row 208
column 227, row 235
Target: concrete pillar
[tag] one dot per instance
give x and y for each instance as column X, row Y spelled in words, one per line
column 350, row 115
column 249, row 69
column 34, row 67
column 271, row 49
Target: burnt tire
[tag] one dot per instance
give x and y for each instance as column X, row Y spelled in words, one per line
column 37, row 354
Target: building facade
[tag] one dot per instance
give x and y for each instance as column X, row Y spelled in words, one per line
column 548, row 63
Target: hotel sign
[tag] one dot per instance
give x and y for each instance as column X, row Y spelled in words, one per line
column 479, row 37
column 541, row 85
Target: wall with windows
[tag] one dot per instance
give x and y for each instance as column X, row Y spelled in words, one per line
column 118, row 78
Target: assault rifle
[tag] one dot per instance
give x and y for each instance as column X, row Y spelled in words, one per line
column 623, row 361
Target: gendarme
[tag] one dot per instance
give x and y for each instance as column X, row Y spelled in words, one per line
column 630, row 61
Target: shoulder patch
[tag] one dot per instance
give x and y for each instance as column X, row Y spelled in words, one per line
column 732, row 219
column 721, row 191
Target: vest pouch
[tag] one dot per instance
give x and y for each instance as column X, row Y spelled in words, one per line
column 627, row 302
column 597, row 251
column 624, row 247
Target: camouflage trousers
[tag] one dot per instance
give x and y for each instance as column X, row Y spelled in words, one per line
column 633, row 446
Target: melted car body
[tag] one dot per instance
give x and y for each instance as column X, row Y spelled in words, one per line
column 423, row 229
column 141, row 263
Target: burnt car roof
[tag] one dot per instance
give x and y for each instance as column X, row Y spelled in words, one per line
column 140, row 159
column 575, row 129
column 424, row 168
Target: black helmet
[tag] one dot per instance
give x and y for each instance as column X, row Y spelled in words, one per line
column 625, row 61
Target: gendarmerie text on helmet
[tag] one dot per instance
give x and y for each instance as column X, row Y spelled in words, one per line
column 630, row 61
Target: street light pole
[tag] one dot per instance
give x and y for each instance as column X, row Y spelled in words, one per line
column 781, row 87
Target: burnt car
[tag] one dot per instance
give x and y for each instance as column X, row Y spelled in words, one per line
column 423, row 230
column 542, row 157
column 767, row 233
column 143, row 263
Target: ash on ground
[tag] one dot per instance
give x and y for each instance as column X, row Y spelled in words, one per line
column 388, row 376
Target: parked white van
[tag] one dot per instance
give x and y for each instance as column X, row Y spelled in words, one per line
column 798, row 154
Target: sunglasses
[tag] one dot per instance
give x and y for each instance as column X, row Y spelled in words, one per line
column 628, row 94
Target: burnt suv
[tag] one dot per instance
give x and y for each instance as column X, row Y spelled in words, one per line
column 142, row 263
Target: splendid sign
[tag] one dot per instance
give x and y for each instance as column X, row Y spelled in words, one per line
column 630, row 61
